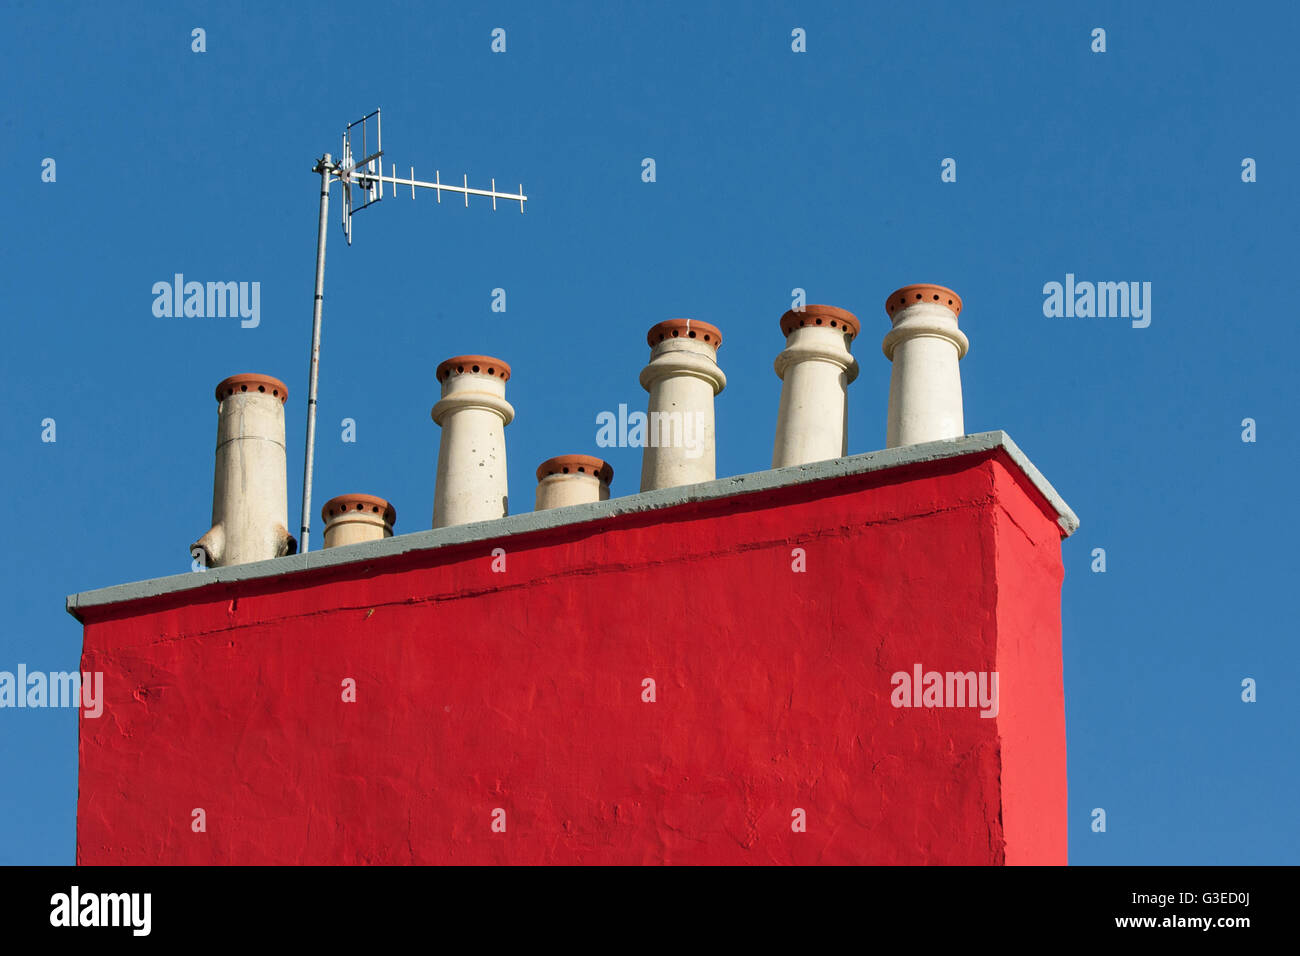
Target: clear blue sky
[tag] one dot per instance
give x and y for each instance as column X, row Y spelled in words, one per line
column 775, row 170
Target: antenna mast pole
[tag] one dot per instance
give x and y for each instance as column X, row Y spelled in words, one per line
column 326, row 168
column 366, row 176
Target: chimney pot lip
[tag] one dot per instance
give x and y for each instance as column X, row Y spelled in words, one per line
column 682, row 328
column 831, row 316
column 464, row 364
column 252, row 382
column 591, row 465
column 922, row 292
column 337, row 506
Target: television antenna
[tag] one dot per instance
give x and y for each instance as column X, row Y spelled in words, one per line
column 363, row 185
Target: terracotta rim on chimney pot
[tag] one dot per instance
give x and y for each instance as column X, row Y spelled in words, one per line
column 463, row 364
column 823, row 315
column 252, row 382
column 576, row 465
column 684, row 329
column 369, row 504
column 923, row 292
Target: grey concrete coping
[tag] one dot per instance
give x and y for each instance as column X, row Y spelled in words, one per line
column 580, row 514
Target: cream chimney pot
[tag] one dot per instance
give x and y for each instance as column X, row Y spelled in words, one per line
column 250, row 503
column 350, row 519
column 572, row 480
column 815, row 369
column 925, row 346
column 473, row 413
column 682, row 378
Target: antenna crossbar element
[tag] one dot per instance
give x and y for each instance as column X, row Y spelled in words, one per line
column 367, row 174
column 438, row 186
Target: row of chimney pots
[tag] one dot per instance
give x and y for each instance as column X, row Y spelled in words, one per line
column 250, row 494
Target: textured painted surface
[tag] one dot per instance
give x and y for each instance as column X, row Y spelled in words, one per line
column 522, row 690
column 1031, row 723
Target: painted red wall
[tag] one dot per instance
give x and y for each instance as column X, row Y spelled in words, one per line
column 523, row 691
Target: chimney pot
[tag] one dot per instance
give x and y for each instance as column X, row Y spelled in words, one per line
column 250, row 504
column 682, row 378
column 350, row 519
column 572, row 480
column 471, row 482
column 815, row 369
column 925, row 345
